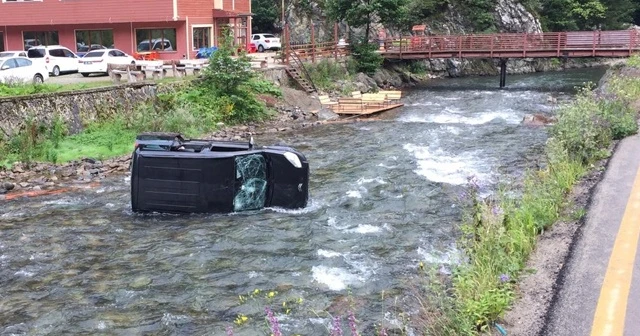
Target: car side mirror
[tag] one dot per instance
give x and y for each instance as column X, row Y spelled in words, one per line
column 4, row 67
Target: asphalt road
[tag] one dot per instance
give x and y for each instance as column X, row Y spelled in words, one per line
column 600, row 294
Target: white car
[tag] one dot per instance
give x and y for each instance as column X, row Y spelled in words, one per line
column 97, row 61
column 266, row 42
column 57, row 59
column 22, row 70
column 13, row 53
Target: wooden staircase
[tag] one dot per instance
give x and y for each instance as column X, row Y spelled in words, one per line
column 299, row 73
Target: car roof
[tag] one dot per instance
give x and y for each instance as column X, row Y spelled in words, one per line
column 49, row 47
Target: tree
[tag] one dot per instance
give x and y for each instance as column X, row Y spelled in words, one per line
column 266, row 14
column 362, row 13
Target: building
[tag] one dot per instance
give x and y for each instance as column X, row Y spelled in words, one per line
column 174, row 28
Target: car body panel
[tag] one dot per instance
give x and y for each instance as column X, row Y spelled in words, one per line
column 181, row 176
column 21, row 70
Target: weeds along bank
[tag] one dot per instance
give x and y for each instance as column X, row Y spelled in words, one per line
column 498, row 233
column 228, row 93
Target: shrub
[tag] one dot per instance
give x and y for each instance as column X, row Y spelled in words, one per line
column 366, row 57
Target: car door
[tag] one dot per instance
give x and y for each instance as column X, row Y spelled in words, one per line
column 25, row 70
column 70, row 60
column 250, row 182
column 9, row 71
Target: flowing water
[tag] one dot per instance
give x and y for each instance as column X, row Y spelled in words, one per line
column 383, row 199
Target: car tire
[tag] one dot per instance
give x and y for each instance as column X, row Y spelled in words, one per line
column 38, row 79
column 260, row 48
column 85, row 74
column 56, row 71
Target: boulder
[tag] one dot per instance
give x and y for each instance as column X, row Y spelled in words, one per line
column 327, row 114
column 538, row 119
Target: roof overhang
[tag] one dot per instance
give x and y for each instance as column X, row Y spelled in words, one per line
column 219, row 13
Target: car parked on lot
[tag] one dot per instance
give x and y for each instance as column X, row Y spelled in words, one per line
column 22, row 70
column 13, row 53
column 155, row 44
column 266, row 42
column 173, row 174
column 57, row 59
column 97, row 61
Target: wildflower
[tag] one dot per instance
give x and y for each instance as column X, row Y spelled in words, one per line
column 273, row 321
column 241, row 319
column 271, row 294
column 352, row 324
column 497, row 210
column 383, row 331
column 336, row 330
column 504, row 278
column 229, row 331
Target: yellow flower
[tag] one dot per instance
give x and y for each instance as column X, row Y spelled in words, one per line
column 284, row 304
column 287, row 311
column 272, row 294
column 299, row 300
column 241, row 319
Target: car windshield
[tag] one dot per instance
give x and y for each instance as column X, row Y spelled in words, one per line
column 94, row 54
column 6, row 54
column 35, row 53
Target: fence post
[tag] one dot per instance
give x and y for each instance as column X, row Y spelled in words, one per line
column 313, row 42
column 335, row 41
column 524, row 46
column 593, row 47
column 287, row 44
column 632, row 41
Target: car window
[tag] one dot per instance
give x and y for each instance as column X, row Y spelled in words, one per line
column 94, row 54
column 22, row 54
column 257, row 37
column 35, row 53
column 23, row 62
column 119, row 53
column 143, row 46
column 68, row 53
column 112, row 53
column 56, row 52
column 11, row 63
column 5, row 54
column 269, row 36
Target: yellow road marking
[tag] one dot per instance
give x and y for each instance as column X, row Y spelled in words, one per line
column 612, row 304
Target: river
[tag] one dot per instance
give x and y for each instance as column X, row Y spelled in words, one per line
column 383, row 199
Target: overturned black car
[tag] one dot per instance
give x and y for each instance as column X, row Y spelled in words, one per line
column 172, row 174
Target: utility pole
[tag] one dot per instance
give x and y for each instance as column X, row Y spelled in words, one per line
column 282, row 5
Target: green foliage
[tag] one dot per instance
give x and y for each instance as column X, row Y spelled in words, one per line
column 366, row 58
column 566, row 15
column 480, row 13
column 361, row 13
column 266, row 14
column 325, row 73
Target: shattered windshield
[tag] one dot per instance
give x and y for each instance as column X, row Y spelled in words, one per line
column 251, row 171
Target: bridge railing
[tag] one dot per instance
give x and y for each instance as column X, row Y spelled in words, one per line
column 558, row 42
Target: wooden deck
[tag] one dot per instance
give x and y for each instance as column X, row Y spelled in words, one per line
column 365, row 110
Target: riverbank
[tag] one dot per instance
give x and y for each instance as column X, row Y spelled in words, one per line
column 508, row 262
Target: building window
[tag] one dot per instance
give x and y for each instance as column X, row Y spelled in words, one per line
column 87, row 40
column 156, row 39
column 37, row 38
column 201, row 37
column 1, row 41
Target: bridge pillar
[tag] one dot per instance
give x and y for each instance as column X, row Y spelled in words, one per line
column 503, row 72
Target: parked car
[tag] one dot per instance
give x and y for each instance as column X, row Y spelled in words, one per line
column 266, row 42
column 22, row 70
column 97, row 61
column 172, row 174
column 57, row 59
column 155, row 44
column 82, row 49
column 11, row 53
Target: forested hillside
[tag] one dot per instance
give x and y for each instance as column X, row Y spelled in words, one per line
column 554, row 15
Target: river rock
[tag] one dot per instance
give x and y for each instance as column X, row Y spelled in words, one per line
column 8, row 186
column 140, row 282
column 538, row 119
column 326, row 114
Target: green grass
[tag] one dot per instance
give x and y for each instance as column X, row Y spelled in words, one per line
column 99, row 142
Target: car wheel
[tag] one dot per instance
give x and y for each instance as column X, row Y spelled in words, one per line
column 37, row 79
column 56, row 71
column 85, row 74
column 260, row 48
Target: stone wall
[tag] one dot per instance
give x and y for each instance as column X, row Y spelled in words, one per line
column 77, row 108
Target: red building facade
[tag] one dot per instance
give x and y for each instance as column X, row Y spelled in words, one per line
column 174, row 28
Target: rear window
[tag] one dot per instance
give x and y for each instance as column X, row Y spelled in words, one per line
column 5, row 54
column 269, row 36
column 94, row 54
column 35, row 53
